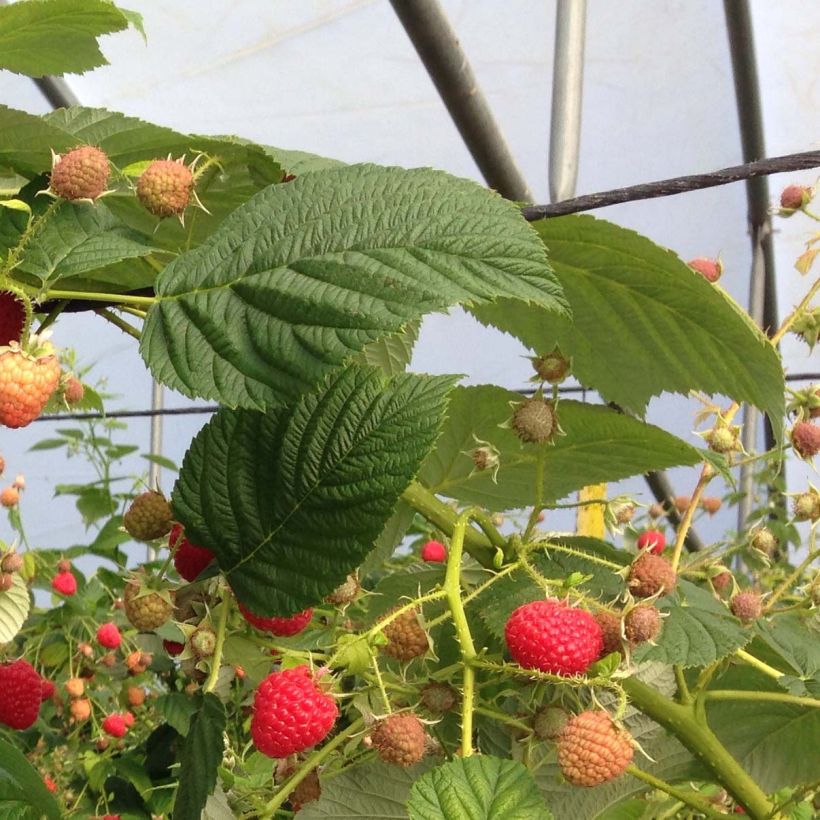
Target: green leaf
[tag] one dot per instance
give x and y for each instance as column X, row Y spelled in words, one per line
column 177, row 709
column 29, row 140
column 14, row 607
column 22, row 790
column 301, row 162
column 292, row 501
column 600, row 445
column 305, row 275
column 697, row 630
column 643, row 322
column 373, row 790
column 391, row 536
column 795, row 640
column 392, row 353
column 56, row 36
column 201, row 755
column 479, row 787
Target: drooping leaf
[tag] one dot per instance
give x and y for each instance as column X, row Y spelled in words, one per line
column 14, row 607
column 23, row 794
column 57, row 36
column 697, row 630
column 306, row 274
column 201, row 754
column 643, row 322
column 479, row 787
column 292, row 501
column 599, row 445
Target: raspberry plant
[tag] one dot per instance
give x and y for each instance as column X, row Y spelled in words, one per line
column 298, row 646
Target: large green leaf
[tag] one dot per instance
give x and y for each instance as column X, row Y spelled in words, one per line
column 479, row 787
column 304, row 275
column 697, row 630
column 23, row 794
column 201, row 754
column 56, row 36
column 292, row 501
column 28, row 141
column 14, row 607
column 643, row 322
column 600, row 445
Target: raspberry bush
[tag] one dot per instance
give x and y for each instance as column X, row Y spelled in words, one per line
column 360, row 594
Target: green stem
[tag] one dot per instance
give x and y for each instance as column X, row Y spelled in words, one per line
column 118, row 322
column 308, row 766
column 691, row 799
column 787, row 583
column 509, row 720
column 688, row 516
column 33, row 226
column 444, row 517
column 684, row 695
column 109, row 298
column 781, row 697
column 758, row 664
column 221, row 629
column 696, row 736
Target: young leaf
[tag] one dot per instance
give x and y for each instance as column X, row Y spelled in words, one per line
column 599, row 445
column 643, row 322
column 201, row 755
column 479, row 787
column 292, row 501
column 14, row 606
column 305, row 275
column 23, row 794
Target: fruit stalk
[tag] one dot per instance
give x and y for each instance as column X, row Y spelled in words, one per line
column 787, row 582
column 777, row 697
column 690, row 799
column 221, row 629
column 686, row 523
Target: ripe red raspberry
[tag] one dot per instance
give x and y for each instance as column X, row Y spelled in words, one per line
column 406, row 638
column 534, row 420
column 553, row 637
column 50, row 784
column 20, row 694
column 12, row 318
column 189, row 559
column 64, row 583
column 438, row 698
column 652, row 540
column 793, row 198
column 73, row 390
column 399, row 739
column 610, row 632
column 710, row 269
column 46, row 689
column 146, row 609
column 26, row 384
column 82, row 173
column 173, row 648
column 292, row 625
column 746, row 606
column 649, row 575
column 551, row 368
column 593, row 750
column 148, row 517
column 549, row 722
column 643, row 623
column 805, row 437
column 165, row 187
column 434, row 552
column 109, row 636
column 115, row 725
column 291, row 713
column 345, row 592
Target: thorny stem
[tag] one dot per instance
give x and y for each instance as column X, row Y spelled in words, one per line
column 787, row 582
column 586, row 556
column 758, row 664
column 109, row 298
column 221, row 629
column 689, row 515
column 789, row 320
column 118, row 322
column 509, row 720
column 780, row 697
column 691, row 799
column 33, row 226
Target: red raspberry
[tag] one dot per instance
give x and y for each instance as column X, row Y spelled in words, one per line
column 652, row 540
column 611, row 632
column 593, row 750
column 115, row 725
column 148, row 517
column 794, row 197
column 189, row 559
column 805, row 438
column 746, row 606
column 399, row 739
column 165, row 187
column 434, row 552
column 64, row 583
column 291, row 713
column 26, row 384
column 82, row 173
column 278, row 626
column 109, row 636
column 173, row 648
column 46, row 689
column 50, row 784
column 710, row 269
column 12, row 318
column 649, row 575
column 128, row 719
column 553, row 637
column 406, row 638
column 21, row 691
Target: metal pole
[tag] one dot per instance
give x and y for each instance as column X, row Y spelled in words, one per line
column 567, row 97
column 57, row 91
column 435, row 41
column 155, row 445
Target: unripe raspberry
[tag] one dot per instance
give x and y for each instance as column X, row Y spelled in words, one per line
column 653, row 541
column 10, row 497
column 650, row 574
column 6, row 581
column 551, row 368
column 438, row 698
column 711, row 504
column 721, row 581
column 109, row 636
column 346, row 592
column 82, row 173
column 19, row 482
column 746, row 606
column 643, row 623
column 534, row 420
column 723, row 439
column 793, row 198
column 485, row 458
column 135, row 695
column 593, row 750
column 657, row 510
column 148, row 517
column 406, row 639
column 805, row 438
column 146, row 609
column 109, row 659
column 434, row 552
column 137, row 662
column 27, row 382
column 203, row 642
column 610, row 631
column 80, row 710
column 12, row 562
column 129, row 719
column 549, row 722
column 624, row 513
column 73, row 391
column 807, row 506
column 710, row 269
column 399, row 739
column 64, row 565
column 764, row 540
column 75, row 687
column 165, row 187
column 309, row 790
